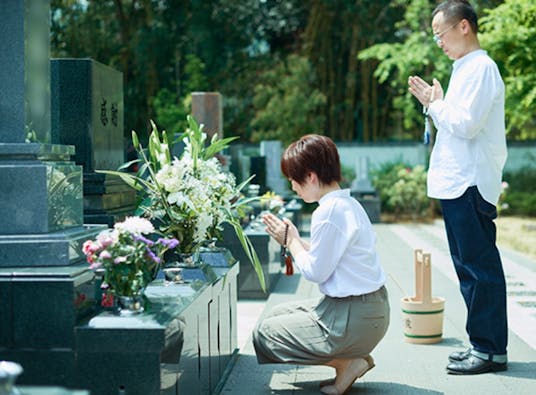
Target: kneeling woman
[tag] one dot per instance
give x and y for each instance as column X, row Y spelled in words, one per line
column 342, row 327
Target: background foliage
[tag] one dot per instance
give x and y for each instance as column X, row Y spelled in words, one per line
column 519, row 197
column 402, row 191
column 289, row 66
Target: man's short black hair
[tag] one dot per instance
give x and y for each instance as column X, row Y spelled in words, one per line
column 456, row 10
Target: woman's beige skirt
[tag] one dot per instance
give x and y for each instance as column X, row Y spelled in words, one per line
column 313, row 332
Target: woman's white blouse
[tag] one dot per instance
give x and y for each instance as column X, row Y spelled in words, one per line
column 342, row 257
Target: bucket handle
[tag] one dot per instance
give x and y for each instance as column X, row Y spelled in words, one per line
column 423, row 276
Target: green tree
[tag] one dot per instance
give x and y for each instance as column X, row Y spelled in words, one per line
column 171, row 112
column 336, row 31
column 177, row 46
column 287, row 103
column 509, row 32
column 414, row 54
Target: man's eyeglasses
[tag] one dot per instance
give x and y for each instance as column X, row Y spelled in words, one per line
column 437, row 37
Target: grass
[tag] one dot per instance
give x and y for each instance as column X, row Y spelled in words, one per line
column 515, row 233
column 518, row 234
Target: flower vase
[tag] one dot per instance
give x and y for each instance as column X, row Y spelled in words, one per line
column 176, row 259
column 130, row 305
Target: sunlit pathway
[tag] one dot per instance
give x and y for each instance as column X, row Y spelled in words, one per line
column 401, row 367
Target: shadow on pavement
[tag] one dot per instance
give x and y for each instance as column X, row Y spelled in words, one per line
column 368, row 388
column 525, row 370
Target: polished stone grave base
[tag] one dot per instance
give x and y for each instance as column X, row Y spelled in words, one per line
column 39, row 311
column 184, row 341
column 371, row 203
column 107, row 199
column 181, row 344
column 60, row 248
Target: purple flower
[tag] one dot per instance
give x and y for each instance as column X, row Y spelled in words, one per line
column 142, row 239
column 168, row 243
column 153, row 256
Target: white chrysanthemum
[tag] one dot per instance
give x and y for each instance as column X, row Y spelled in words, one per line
column 135, row 225
column 186, row 160
column 176, row 198
column 204, row 222
column 170, row 177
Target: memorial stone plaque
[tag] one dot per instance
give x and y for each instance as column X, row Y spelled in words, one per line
column 207, row 110
column 87, row 112
column 275, row 181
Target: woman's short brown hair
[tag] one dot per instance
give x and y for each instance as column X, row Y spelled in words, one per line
column 312, row 153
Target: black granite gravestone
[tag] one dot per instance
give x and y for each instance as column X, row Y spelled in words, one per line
column 87, row 112
column 44, row 285
column 49, row 321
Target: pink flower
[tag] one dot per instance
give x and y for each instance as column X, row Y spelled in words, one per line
column 107, row 300
column 95, row 265
column 90, row 247
column 120, row 259
column 105, row 239
column 105, row 254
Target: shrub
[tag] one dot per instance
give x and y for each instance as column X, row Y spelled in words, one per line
column 518, row 196
column 402, row 190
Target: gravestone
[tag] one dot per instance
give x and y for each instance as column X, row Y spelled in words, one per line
column 272, row 151
column 207, row 110
column 45, row 286
column 41, row 187
column 364, row 192
column 257, row 167
column 361, row 184
column 87, row 112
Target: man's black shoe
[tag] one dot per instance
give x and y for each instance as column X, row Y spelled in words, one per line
column 459, row 355
column 475, row 365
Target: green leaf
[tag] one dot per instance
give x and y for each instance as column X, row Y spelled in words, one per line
column 249, row 251
column 130, row 179
column 135, row 141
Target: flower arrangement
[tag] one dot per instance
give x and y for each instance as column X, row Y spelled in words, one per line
column 189, row 197
column 129, row 258
column 199, row 198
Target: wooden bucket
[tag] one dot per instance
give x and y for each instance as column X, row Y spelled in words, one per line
column 422, row 315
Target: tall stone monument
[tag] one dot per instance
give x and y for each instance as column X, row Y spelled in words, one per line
column 364, row 192
column 45, row 287
column 87, row 112
column 207, row 109
column 272, row 151
column 49, row 322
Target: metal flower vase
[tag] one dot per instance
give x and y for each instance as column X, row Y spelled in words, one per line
column 422, row 314
column 180, row 259
column 130, row 305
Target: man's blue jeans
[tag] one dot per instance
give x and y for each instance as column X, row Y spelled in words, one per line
column 471, row 234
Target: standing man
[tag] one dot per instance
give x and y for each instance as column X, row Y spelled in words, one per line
column 465, row 174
